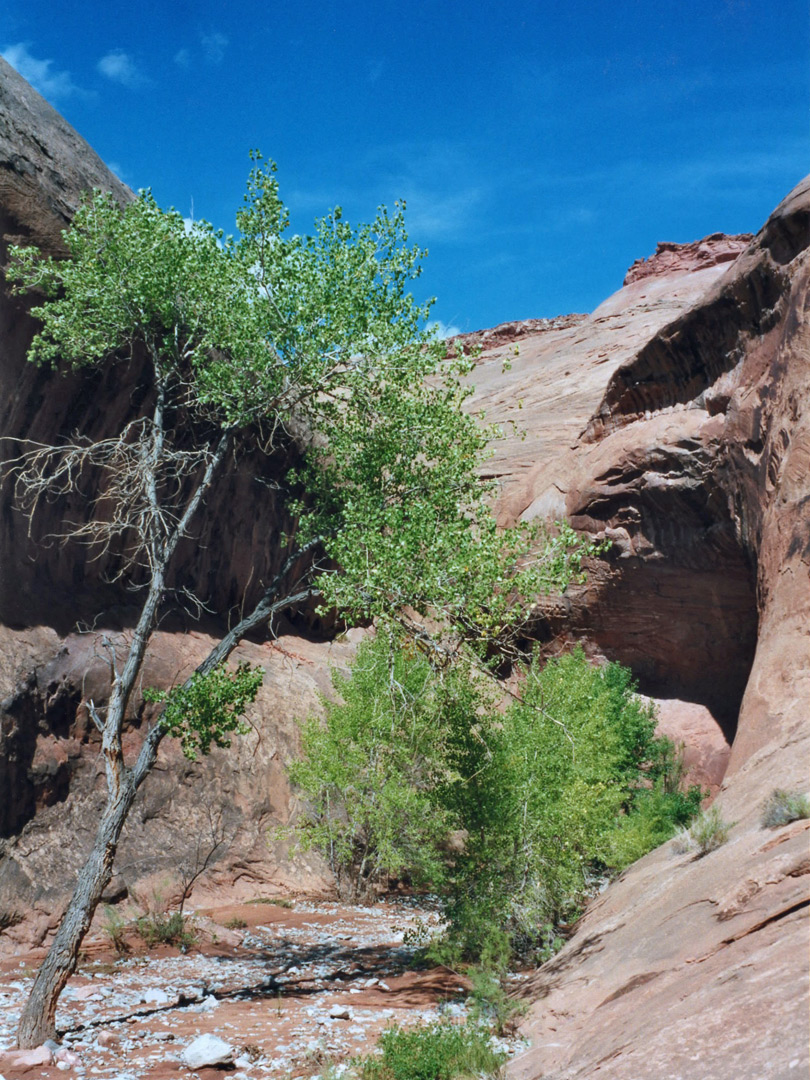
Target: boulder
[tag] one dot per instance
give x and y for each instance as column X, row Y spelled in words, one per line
column 207, row 1051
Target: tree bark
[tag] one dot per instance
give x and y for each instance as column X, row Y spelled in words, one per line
column 38, row 1019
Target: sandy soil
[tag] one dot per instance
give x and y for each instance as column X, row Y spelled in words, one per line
column 292, row 990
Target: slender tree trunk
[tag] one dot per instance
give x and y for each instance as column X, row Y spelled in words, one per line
column 37, row 1022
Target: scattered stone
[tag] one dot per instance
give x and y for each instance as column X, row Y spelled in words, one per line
column 108, row 1040
column 207, row 1050
column 26, row 1061
column 155, row 997
column 340, row 1012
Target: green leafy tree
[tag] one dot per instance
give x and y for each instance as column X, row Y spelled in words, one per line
column 247, row 341
column 543, row 796
column 368, row 772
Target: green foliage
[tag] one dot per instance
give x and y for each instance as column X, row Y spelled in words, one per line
column 656, row 815
column 209, row 707
column 275, row 333
column 544, row 798
column 369, row 770
column 781, row 807
column 566, row 784
column 439, row 1051
column 115, row 927
column 160, row 928
column 492, row 1006
column 706, row 833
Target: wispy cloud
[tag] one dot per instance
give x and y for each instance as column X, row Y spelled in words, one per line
column 183, row 58
column 42, row 75
column 119, row 67
column 443, row 330
column 214, row 46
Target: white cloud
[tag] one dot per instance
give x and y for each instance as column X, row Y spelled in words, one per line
column 214, row 47
column 443, row 330
column 121, row 68
column 41, row 74
column 183, row 58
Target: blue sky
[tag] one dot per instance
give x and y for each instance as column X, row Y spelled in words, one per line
column 541, row 147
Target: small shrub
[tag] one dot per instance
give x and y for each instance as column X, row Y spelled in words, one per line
column 277, row 901
column 492, row 1005
column 114, row 926
column 159, row 929
column 656, row 814
column 439, row 1051
column 235, row 924
column 781, row 807
column 706, row 833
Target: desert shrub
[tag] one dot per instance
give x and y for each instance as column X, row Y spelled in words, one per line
column 550, row 794
column 569, row 768
column 160, row 928
column 781, row 807
column 114, row 926
column 492, row 1005
column 706, row 833
column 276, row 901
column 368, row 772
column 235, row 924
column 439, row 1051
column 656, row 815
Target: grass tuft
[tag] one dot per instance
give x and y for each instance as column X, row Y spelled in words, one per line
column 781, row 807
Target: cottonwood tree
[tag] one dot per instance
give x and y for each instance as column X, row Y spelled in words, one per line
column 246, row 341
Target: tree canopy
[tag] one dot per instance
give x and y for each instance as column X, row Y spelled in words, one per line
column 257, row 341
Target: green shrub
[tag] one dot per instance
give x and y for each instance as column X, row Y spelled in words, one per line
column 492, row 1006
column 781, row 807
column 165, row 929
column 655, row 816
column 439, row 1051
column 368, row 772
column 114, row 926
column 555, row 795
column 706, row 833
column 550, row 795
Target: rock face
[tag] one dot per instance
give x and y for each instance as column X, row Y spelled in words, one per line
column 674, row 421
column 49, row 777
column 672, row 258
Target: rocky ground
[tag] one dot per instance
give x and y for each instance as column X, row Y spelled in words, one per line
column 291, row 990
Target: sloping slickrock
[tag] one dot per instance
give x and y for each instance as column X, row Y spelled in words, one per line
column 233, row 798
column 691, row 453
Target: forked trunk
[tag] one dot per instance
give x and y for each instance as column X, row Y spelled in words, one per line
column 38, row 1020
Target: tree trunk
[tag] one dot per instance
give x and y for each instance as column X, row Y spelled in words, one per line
column 37, row 1022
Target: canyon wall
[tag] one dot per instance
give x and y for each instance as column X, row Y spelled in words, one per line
column 673, row 421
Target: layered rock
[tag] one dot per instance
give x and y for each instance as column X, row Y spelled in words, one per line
column 689, row 450
column 671, row 258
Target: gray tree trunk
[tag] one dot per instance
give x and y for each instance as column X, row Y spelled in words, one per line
column 38, row 1020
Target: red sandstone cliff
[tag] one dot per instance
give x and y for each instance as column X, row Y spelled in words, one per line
column 674, row 421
